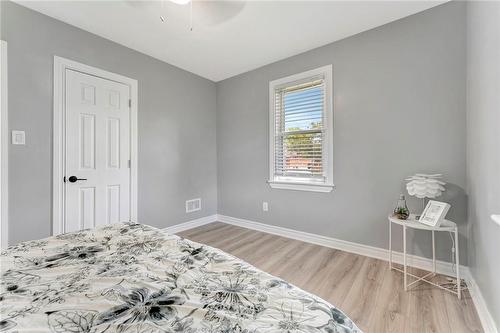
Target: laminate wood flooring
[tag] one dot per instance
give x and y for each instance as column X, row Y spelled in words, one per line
column 364, row 288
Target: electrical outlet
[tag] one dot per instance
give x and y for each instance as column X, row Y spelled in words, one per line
column 193, row 205
column 265, row 206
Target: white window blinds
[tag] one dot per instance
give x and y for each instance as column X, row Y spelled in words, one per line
column 299, row 130
column 299, row 145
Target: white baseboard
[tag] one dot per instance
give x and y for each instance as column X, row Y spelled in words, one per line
column 442, row 267
column 191, row 224
column 489, row 325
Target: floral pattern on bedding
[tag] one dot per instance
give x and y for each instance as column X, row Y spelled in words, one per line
column 133, row 278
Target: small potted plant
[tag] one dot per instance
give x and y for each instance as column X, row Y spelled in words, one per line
column 401, row 211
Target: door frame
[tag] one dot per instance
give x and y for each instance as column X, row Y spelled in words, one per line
column 4, row 148
column 59, row 136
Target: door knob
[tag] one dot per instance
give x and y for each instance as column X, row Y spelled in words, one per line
column 73, row 179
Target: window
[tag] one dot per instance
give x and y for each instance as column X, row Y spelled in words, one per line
column 301, row 123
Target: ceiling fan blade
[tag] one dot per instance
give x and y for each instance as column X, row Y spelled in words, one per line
column 215, row 12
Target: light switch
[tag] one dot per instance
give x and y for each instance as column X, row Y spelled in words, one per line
column 18, row 138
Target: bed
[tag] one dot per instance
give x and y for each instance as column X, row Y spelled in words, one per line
column 134, row 278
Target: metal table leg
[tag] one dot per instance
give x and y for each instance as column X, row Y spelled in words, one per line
column 433, row 253
column 404, row 257
column 390, row 245
column 459, row 283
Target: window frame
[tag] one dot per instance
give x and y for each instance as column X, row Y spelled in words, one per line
column 327, row 149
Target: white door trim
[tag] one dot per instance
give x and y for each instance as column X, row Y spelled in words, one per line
column 4, row 148
column 60, row 66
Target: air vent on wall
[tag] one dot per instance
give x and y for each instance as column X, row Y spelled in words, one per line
column 193, row 205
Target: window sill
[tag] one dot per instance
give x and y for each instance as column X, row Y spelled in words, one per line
column 301, row 186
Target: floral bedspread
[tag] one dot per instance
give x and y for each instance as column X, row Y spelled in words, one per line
column 135, row 278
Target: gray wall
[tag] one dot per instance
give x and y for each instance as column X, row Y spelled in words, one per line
column 399, row 108
column 177, row 143
column 483, row 147
column 399, row 95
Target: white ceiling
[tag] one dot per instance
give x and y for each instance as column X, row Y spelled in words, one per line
column 228, row 38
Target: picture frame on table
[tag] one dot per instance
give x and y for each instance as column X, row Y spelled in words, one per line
column 434, row 213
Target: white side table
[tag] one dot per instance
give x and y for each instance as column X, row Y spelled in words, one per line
column 411, row 222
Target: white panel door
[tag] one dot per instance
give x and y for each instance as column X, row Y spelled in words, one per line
column 97, row 182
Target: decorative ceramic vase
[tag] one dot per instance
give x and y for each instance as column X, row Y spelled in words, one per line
column 401, row 211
